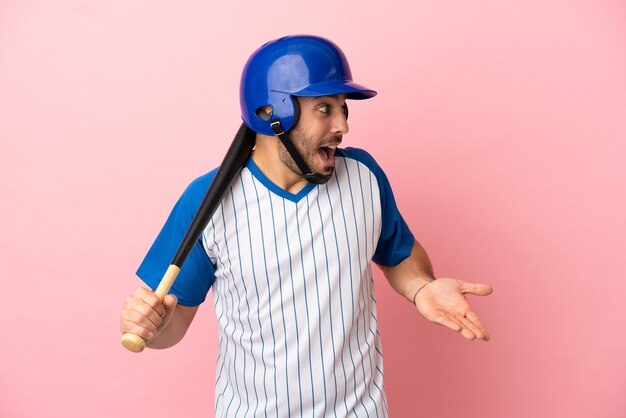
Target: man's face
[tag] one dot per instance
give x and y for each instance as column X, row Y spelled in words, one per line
column 318, row 132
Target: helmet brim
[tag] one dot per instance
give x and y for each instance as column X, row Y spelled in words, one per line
column 352, row 90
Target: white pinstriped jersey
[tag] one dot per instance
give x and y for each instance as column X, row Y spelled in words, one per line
column 293, row 289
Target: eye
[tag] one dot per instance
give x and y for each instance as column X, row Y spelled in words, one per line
column 324, row 108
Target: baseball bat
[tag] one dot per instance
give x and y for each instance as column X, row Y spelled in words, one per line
column 236, row 156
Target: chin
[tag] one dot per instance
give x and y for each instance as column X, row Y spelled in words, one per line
column 327, row 171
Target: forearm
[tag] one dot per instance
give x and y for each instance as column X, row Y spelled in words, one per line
column 411, row 274
column 175, row 330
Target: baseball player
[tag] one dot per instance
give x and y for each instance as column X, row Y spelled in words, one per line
column 288, row 251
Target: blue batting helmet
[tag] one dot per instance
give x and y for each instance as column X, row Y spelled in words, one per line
column 299, row 65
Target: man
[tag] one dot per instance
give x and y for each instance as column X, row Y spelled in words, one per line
column 288, row 252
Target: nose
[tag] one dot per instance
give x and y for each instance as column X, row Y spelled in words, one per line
column 340, row 123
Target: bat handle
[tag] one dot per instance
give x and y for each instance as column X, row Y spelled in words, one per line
column 134, row 342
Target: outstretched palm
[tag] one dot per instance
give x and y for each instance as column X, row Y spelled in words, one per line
column 443, row 302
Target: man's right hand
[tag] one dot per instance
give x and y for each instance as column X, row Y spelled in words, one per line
column 145, row 315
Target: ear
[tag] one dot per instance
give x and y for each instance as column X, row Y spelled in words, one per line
column 265, row 112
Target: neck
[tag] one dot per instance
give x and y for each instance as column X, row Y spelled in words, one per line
column 267, row 159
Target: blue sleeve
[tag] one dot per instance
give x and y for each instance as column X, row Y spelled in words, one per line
column 197, row 273
column 396, row 239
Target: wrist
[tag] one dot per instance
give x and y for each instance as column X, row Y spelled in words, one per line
column 421, row 286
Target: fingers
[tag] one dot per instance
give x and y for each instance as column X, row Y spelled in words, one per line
column 479, row 289
column 448, row 322
column 170, row 302
column 469, row 325
column 472, row 330
column 460, row 325
column 144, row 331
column 474, row 321
column 143, row 313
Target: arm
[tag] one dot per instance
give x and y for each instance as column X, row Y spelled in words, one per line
column 411, row 274
column 441, row 301
column 160, row 324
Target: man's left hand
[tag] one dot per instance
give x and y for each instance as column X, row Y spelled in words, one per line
column 443, row 302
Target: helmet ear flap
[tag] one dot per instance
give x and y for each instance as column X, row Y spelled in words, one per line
column 287, row 112
column 285, row 108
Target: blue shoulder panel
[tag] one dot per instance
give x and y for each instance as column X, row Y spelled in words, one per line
column 396, row 240
column 197, row 274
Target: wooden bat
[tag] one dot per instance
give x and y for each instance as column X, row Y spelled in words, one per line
column 239, row 151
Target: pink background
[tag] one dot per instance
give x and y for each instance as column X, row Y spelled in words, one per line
column 501, row 125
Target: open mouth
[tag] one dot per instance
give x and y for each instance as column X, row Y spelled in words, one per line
column 327, row 154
